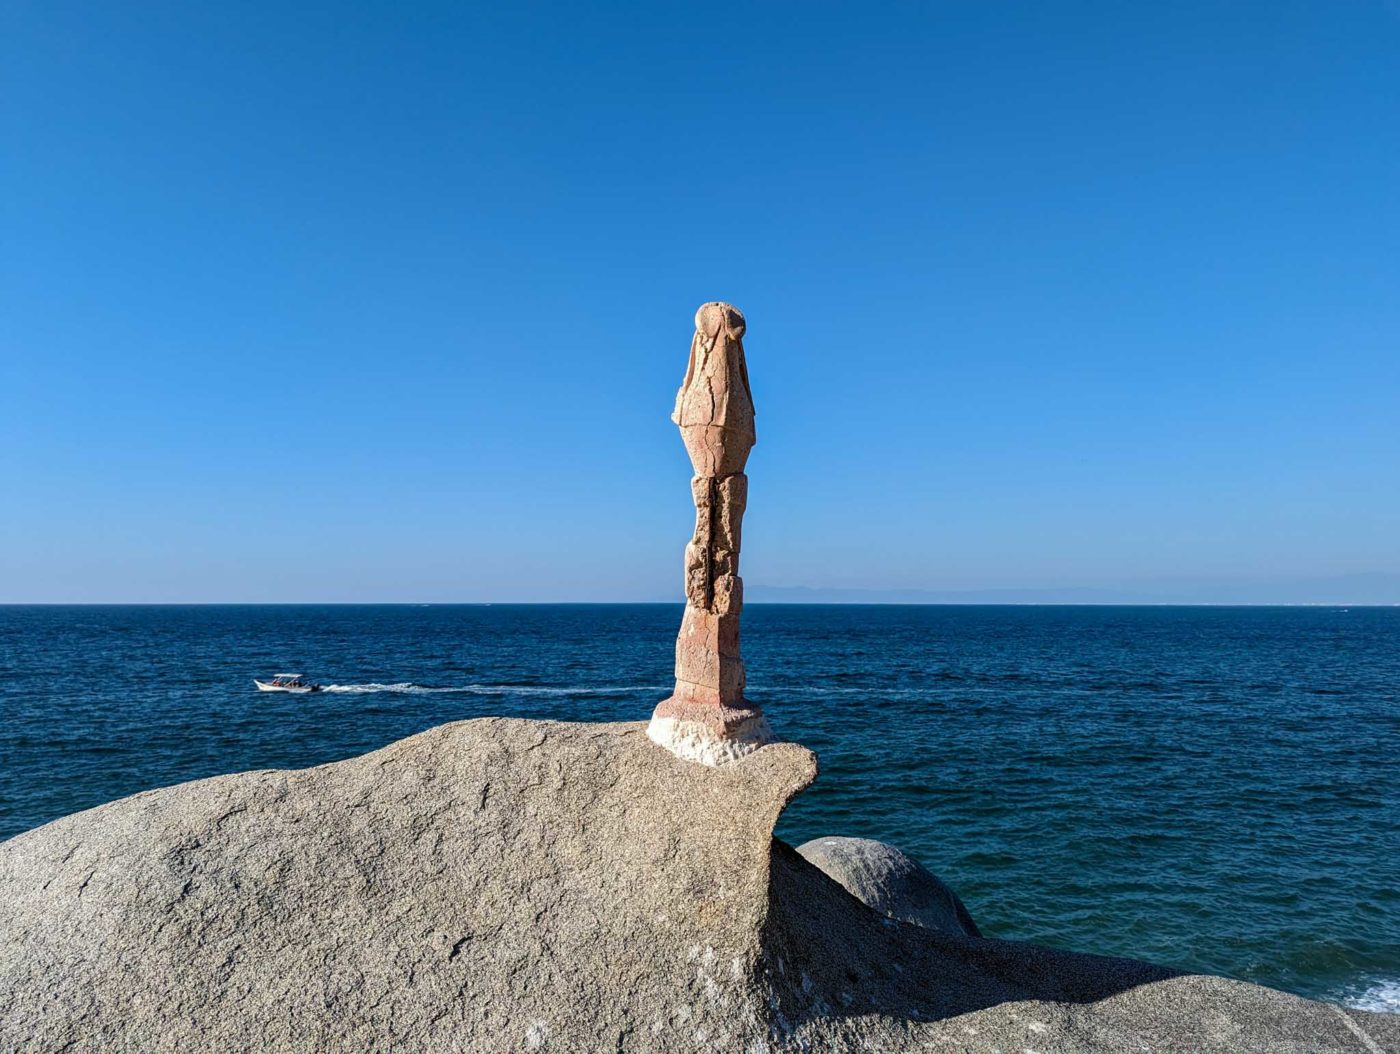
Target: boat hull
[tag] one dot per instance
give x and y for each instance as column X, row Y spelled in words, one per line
column 264, row 686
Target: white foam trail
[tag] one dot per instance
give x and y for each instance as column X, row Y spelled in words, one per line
column 408, row 688
column 1383, row 997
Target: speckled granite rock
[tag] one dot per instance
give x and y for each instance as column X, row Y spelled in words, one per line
column 891, row 882
column 504, row 885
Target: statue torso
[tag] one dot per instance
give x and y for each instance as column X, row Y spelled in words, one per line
column 718, row 392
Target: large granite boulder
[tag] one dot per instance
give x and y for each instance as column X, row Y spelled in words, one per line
column 506, row 885
column 891, row 882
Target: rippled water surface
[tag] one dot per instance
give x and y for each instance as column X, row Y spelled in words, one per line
column 1210, row 788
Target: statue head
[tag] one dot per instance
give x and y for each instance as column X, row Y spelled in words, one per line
column 718, row 317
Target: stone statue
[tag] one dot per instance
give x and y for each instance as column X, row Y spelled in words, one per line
column 707, row 718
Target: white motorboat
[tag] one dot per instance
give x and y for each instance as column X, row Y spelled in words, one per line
column 286, row 682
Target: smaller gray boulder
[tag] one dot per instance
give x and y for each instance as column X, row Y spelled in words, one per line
column 892, row 882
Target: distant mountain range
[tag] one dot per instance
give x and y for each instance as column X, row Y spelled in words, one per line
column 1341, row 590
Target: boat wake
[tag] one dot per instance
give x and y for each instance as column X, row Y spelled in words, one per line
column 408, row 688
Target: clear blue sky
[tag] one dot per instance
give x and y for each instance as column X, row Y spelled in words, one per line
column 390, row 302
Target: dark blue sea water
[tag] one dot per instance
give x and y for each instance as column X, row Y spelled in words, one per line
column 1214, row 789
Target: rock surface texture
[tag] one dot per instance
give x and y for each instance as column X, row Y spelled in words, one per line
column 506, row 886
column 707, row 718
column 891, row 882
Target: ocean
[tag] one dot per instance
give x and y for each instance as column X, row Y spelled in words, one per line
column 1212, row 789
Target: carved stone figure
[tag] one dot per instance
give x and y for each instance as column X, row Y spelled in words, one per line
column 707, row 719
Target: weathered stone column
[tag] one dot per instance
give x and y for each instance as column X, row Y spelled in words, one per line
column 707, row 719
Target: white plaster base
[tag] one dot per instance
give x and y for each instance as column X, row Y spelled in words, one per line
column 695, row 741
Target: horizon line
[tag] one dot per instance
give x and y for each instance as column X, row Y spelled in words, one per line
column 681, row 603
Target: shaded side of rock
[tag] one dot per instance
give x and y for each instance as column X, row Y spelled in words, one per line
column 891, row 882
column 840, row 978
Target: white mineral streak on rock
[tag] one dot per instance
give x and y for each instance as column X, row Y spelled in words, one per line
column 707, row 719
